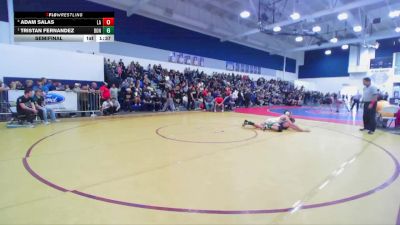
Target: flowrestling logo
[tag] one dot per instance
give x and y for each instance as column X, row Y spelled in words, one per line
column 53, row 98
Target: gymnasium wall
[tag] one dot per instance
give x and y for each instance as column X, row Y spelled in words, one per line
column 266, row 73
column 330, row 84
column 160, row 56
column 358, row 67
column 176, row 66
column 140, row 30
column 319, row 65
column 387, row 47
column 33, row 62
column 359, row 59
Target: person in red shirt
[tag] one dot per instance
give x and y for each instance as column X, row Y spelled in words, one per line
column 104, row 93
column 219, row 102
column 205, row 92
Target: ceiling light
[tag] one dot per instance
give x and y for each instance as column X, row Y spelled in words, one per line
column 343, row 16
column 334, row 40
column 299, row 39
column 397, row 29
column 295, row 16
column 245, row 14
column 316, row 29
column 345, row 47
column 357, row 28
column 395, row 13
column 277, row 29
column 328, row 52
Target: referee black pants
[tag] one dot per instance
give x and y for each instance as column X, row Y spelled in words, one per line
column 369, row 116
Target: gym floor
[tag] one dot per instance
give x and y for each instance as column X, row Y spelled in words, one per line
column 197, row 168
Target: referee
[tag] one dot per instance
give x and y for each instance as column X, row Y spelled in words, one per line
column 370, row 94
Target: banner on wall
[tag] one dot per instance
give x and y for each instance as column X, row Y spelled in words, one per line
column 382, row 79
column 381, row 62
column 178, row 57
column 239, row 67
column 56, row 100
column 230, row 66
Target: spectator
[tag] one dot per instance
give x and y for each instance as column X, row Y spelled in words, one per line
column 209, row 102
column 26, row 107
column 77, row 87
column 42, row 85
column 114, row 91
column 169, row 103
column 110, row 107
column 29, row 84
column 191, row 95
column 67, row 88
column 148, row 104
column 13, row 85
column 155, row 86
column 3, row 87
column 219, row 103
column 128, row 100
column 19, row 86
column 157, row 102
column 104, row 93
column 40, row 105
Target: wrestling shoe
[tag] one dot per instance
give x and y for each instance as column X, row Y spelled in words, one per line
column 244, row 123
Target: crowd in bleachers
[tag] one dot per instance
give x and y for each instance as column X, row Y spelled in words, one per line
column 151, row 87
column 133, row 87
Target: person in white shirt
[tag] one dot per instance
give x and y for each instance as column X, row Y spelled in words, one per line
column 110, row 107
column 370, row 97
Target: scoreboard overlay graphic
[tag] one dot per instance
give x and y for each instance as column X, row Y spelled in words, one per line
column 64, row 26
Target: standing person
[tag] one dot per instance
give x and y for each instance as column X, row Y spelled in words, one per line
column 40, row 105
column 169, row 103
column 127, row 100
column 94, row 99
column 356, row 101
column 335, row 102
column 114, row 91
column 209, row 102
column 191, row 93
column 370, row 95
column 247, row 98
column 104, row 93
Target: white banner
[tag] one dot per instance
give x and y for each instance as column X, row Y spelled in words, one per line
column 57, row 100
column 382, row 78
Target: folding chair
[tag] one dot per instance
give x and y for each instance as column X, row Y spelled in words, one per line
column 392, row 109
